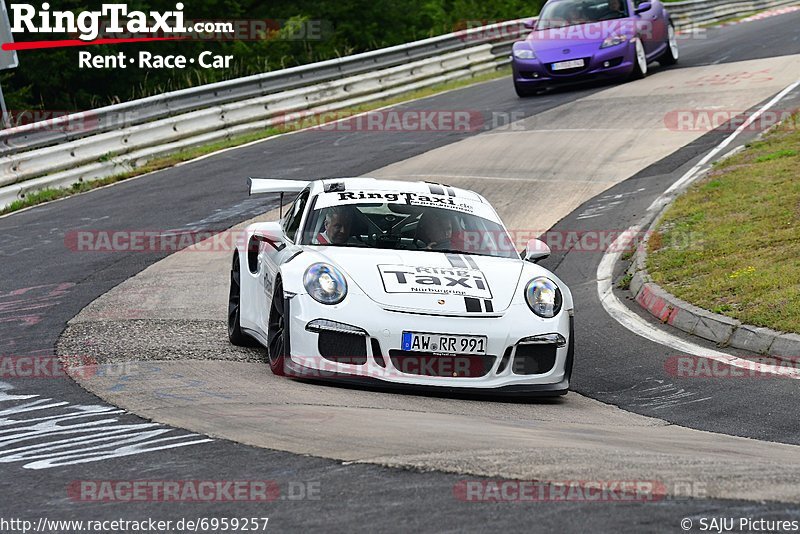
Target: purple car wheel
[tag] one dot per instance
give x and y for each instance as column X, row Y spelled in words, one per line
column 523, row 91
column 639, row 61
column 671, row 54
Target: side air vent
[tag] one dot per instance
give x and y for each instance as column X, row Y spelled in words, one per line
column 534, row 359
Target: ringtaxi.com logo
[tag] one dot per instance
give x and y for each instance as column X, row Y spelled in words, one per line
column 86, row 24
column 116, row 20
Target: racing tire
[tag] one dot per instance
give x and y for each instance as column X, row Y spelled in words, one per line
column 639, row 62
column 524, row 92
column 235, row 334
column 671, row 54
column 278, row 332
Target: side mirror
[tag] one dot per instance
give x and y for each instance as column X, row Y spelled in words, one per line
column 529, row 24
column 644, row 6
column 536, row 250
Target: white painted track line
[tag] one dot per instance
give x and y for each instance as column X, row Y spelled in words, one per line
column 633, row 322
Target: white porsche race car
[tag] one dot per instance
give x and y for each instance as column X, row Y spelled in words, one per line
column 400, row 283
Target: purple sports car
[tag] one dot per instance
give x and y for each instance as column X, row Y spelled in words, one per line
column 579, row 40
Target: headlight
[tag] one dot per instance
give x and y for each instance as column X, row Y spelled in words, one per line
column 543, row 297
column 325, row 283
column 524, row 53
column 613, row 40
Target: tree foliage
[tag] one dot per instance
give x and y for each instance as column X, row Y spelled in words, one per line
column 51, row 79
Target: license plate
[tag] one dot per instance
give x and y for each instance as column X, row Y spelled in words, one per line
column 444, row 343
column 564, row 65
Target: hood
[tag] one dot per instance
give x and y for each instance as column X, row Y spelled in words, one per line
column 429, row 282
column 582, row 40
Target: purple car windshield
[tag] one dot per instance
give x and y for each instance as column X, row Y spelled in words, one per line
column 561, row 13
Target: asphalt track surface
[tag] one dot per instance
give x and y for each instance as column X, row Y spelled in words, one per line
column 615, row 366
column 622, row 369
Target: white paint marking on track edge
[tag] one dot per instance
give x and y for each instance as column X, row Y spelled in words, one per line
column 635, row 323
column 63, row 434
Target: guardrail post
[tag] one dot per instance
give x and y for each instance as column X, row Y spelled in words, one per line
column 5, row 118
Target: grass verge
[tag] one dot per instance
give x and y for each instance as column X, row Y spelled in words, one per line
column 731, row 244
column 48, row 194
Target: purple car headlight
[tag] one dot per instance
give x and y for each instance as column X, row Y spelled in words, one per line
column 613, row 40
column 524, row 53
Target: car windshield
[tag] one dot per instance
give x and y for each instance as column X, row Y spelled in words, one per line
column 407, row 227
column 572, row 12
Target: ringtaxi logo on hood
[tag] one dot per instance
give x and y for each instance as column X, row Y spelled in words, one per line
column 439, row 280
column 87, row 24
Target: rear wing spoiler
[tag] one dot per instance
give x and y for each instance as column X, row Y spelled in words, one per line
column 259, row 186
column 271, row 185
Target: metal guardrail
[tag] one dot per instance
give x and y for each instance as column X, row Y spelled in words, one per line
column 145, row 110
column 222, row 121
column 122, row 137
column 693, row 13
column 182, row 119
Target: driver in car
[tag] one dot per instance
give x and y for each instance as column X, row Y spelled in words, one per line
column 338, row 227
column 436, row 230
column 573, row 15
column 615, row 9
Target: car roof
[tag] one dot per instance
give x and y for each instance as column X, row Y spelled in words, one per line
column 342, row 191
column 396, row 186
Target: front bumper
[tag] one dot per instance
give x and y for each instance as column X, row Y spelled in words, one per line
column 609, row 63
column 507, row 369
